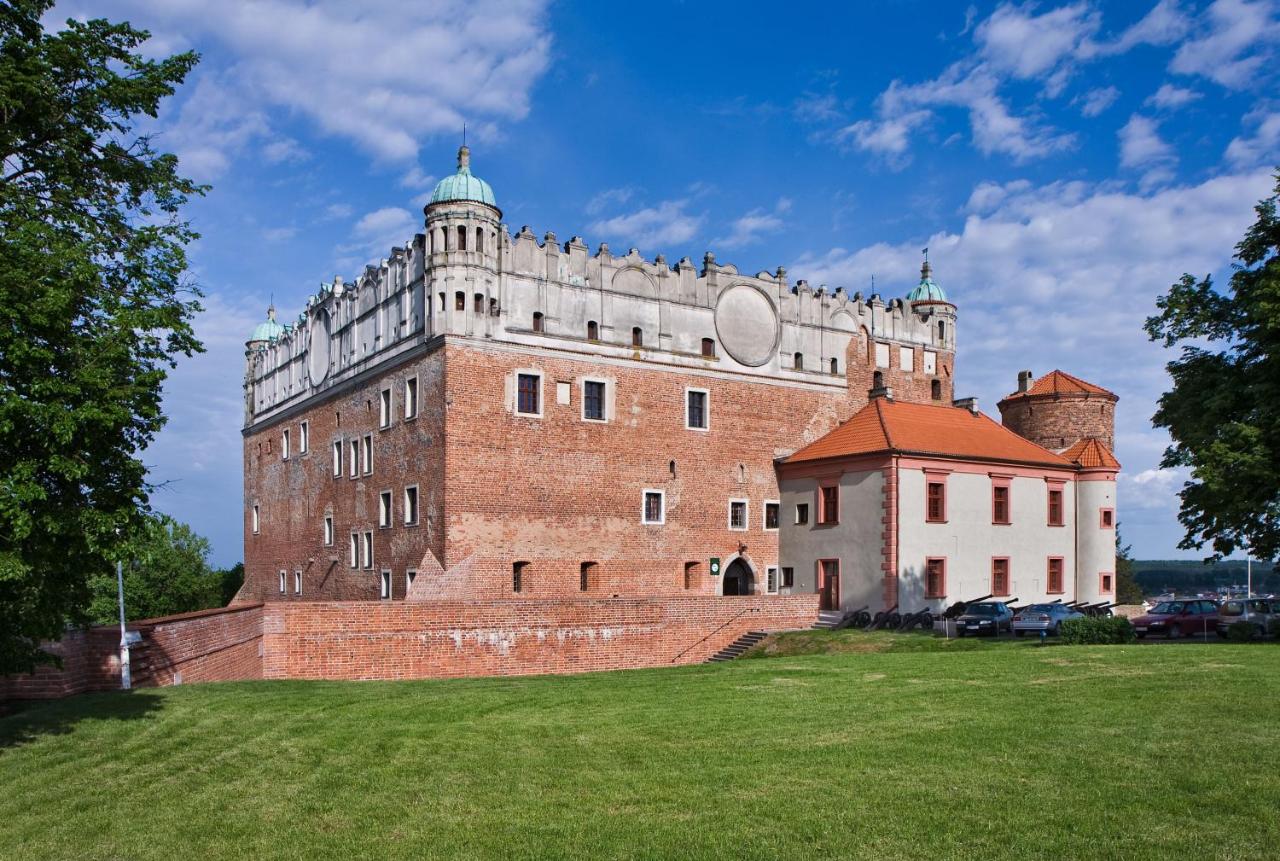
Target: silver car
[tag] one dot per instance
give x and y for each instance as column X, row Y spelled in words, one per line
column 1264, row 613
column 1042, row 617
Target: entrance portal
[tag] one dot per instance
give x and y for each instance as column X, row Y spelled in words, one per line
column 738, row 579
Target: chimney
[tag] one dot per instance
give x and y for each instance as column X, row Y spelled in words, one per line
column 879, row 389
column 1024, row 381
column 970, row 404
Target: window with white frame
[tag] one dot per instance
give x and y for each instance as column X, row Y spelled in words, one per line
column 355, row 549
column 284, row 444
column 411, row 398
column 384, row 409
column 529, row 393
column 367, row 550
column 297, row 582
column 593, row 400
column 788, row 577
column 771, row 580
column 802, row 513
column 697, row 409
column 385, row 590
column 337, row 458
column 282, row 583
column 411, row 505
column 930, row 362
column 738, row 514
column 882, row 355
column 256, row 521
column 384, row 509
column 304, row 437
column 368, row 454
column 653, row 507
column 772, row 510
column 906, row 359
column 353, row 468
column 328, row 530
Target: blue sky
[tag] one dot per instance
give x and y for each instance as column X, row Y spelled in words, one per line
column 1064, row 163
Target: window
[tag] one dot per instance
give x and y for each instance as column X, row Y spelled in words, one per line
column 797, row 361
column 935, row 578
column 835, row 366
column 1107, row 518
column 882, row 355
column 355, row 550
column 586, row 576
column 1055, row 506
column 528, row 394
column 282, row 587
column 935, row 389
column 593, row 330
column 771, row 580
column 942, row 331
column 297, row 582
column 411, row 398
column 462, row 238
column 284, row 444
column 328, row 530
column 384, row 509
column 771, row 514
column 479, row 240
column 384, row 591
column 738, row 514
column 409, row 577
column 368, row 454
column 788, row 577
column 384, row 408
column 1106, row 583
column 517, row 576
column 930, row 362
column 354, row 467
column 477, row 303
column 1000, row 575
column 337, row 458
column 696, row 414
column 255, row 519
column 537, row 321
column 637, row 337
column 936, row 502
column 459, row 301
column 1053, row 581
column 802, row 513
column 906, row 359
column 709, row 347
column 410, row 506
column 654, row 509
column 690, row 574
column 367, row 548
column 304, row 437
column 1000, row 503
column 593, row 400
column 829, row 504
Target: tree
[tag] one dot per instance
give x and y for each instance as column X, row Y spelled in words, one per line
column 231, row 579
column 1127, row 589
column 93, row 308
column 166, row 570
column 1223, row 412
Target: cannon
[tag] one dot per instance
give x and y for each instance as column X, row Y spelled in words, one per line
column 852, row 619
column 862, row 618
column 1100, row 609
column 885, row 618
column 923, row 618
column 958, row 608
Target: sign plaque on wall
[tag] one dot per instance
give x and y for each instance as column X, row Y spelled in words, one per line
column 715, row 566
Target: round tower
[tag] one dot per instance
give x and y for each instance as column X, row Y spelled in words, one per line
column 1058, row 410
column 929, row 302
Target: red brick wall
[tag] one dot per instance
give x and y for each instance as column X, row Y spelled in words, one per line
column 404, row 640
column 1058, row 421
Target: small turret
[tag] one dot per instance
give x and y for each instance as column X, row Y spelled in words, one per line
column 266, row 331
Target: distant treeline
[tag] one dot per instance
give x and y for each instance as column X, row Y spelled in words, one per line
column 1156, row 576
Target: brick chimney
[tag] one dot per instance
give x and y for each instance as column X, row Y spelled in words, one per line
column 878, row 388
column 1024, row 381
column 970, row 404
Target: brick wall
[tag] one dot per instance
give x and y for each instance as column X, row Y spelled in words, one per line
column 1058, row 421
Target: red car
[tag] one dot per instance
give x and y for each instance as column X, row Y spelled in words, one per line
column 1188, row 617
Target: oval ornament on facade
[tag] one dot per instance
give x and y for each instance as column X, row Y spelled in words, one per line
column 318, row 349
column 747, row 325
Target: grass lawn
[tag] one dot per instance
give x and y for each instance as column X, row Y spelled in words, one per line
column 1016, row 751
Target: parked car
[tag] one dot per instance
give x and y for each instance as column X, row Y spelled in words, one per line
column 1263, row 613
column 1180, row 618
column 985, row 617
column 1043, row 617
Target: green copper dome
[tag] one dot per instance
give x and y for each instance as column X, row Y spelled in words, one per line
column 926, row 290
column 268, row 329
column 462, row 185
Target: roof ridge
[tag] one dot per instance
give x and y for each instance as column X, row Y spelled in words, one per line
column 884, row 428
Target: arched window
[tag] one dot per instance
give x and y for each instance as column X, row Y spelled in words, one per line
column 637, row 337
column 444, row 240
column 593, row 330
column 672, row 466
column 835, row 366
column 797, row 361
column 877, row 380
column 742, row 472
column 690, row 574
column 479, row 239
column 432, row 240
column 459, row 301
column 493, row 307
column 477, row 303
column 537, row 321
column 442, row 303
column 462, row 238
column 942, row 331
column 935, row 389
column 709, row 347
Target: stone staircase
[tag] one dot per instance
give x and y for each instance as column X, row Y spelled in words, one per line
column 828, row 619
column 737, row 647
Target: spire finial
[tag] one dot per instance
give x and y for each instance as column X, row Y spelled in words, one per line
column 925, row 270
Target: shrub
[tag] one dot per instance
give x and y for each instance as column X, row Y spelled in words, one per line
column 1240, row 632
column 1097, row 630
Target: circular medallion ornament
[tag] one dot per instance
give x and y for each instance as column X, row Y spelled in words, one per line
column 747, row 325
column 318, row 349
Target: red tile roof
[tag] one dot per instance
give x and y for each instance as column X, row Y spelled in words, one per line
column 1091, row 452
column 1061, row 383
column 889, row 426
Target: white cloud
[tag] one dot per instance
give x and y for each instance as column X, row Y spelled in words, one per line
column 336, row 211
column 417, row 179
column 279, row 234
column 666, row 223
column 377, row 232
column 988, row 195
column 1016, row 40
column 1262, row 147
column 284, row 150
column 211, row 128
column 1169, row 97
column 1236, row 43
column 608, row 198
column 1098, row 100
column 1165, row 24
column 1141, row 147
column 755, row 225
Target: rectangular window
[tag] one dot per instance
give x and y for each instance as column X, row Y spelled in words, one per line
column 282, row 585
column 1055, row 506
column 1107, row 518
column 930, row 362
column 771, row 515
column 411, row 398
column 410, row 506
column 935, row 578
column 337, row 459
column 882, row 355
column 586, row 576
column 368, row 454
column 517, row 576
column 384, row 509
column 1000, row 503
column 255, row 519
column 328, row 530
column 367, row 549
column 304, row 437
column 528, row 394
column 788, row 577
column 653, row 510
column 354, row 467
column 936, row 502
column 297, row 582
column 1000, row 575
column 385, row 585
column 802, row 513
column 906, row 359
column 738, row 514
column 593, row 400
column 355, row 550
column 1054, row 577
column 829, row 504
column 696, row 414
column 771, row 580
column 1106, row 583
column 284, row 444
column 384, row 408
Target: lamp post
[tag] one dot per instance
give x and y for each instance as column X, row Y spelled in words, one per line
column 125, row 680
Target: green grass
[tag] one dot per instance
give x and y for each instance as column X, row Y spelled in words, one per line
column 975, row 752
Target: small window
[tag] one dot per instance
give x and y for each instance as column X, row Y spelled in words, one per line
column 593, row 400
column 788, row 577
column 935, row 389
column 586, row 576
column 1054, row 577
column 690, row 574
column 696, row 414
column 936, row 502
column 797, row 361
column 653, row 510
column 337, row 458
column 1107, row 518
column 593, row 330
column 297, row 582
column 355, row 550
column 517, row 576
column 1000, row 576
column 384, row 509
column 462, row 238
column 829, row 504
column 367, row 549
column 409, row 577
column 537, row 321
column 479, row 240
column 459, row 301
column 1055, row 506
column 835, row 366
column 942, row 331
column 935, row 578
column 1106, row 583
column 906, row 359
column 282, row 583
column 882, row 355
column 477, row 303
column 328, row 530
column 637, row 337
column 738, row 514
column 802, row 513
column 1000, row 504
column 354, row 466
column 493, row 307
column 284, row 444
column 709, row 347
column 384, row 579
column 384, row 408
column 304, row 437
column 410, row 506
column 771, row 580
column 528, row 394
column 771, row 515
column 368, row 454
column 411, row 398
column 255, row 519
